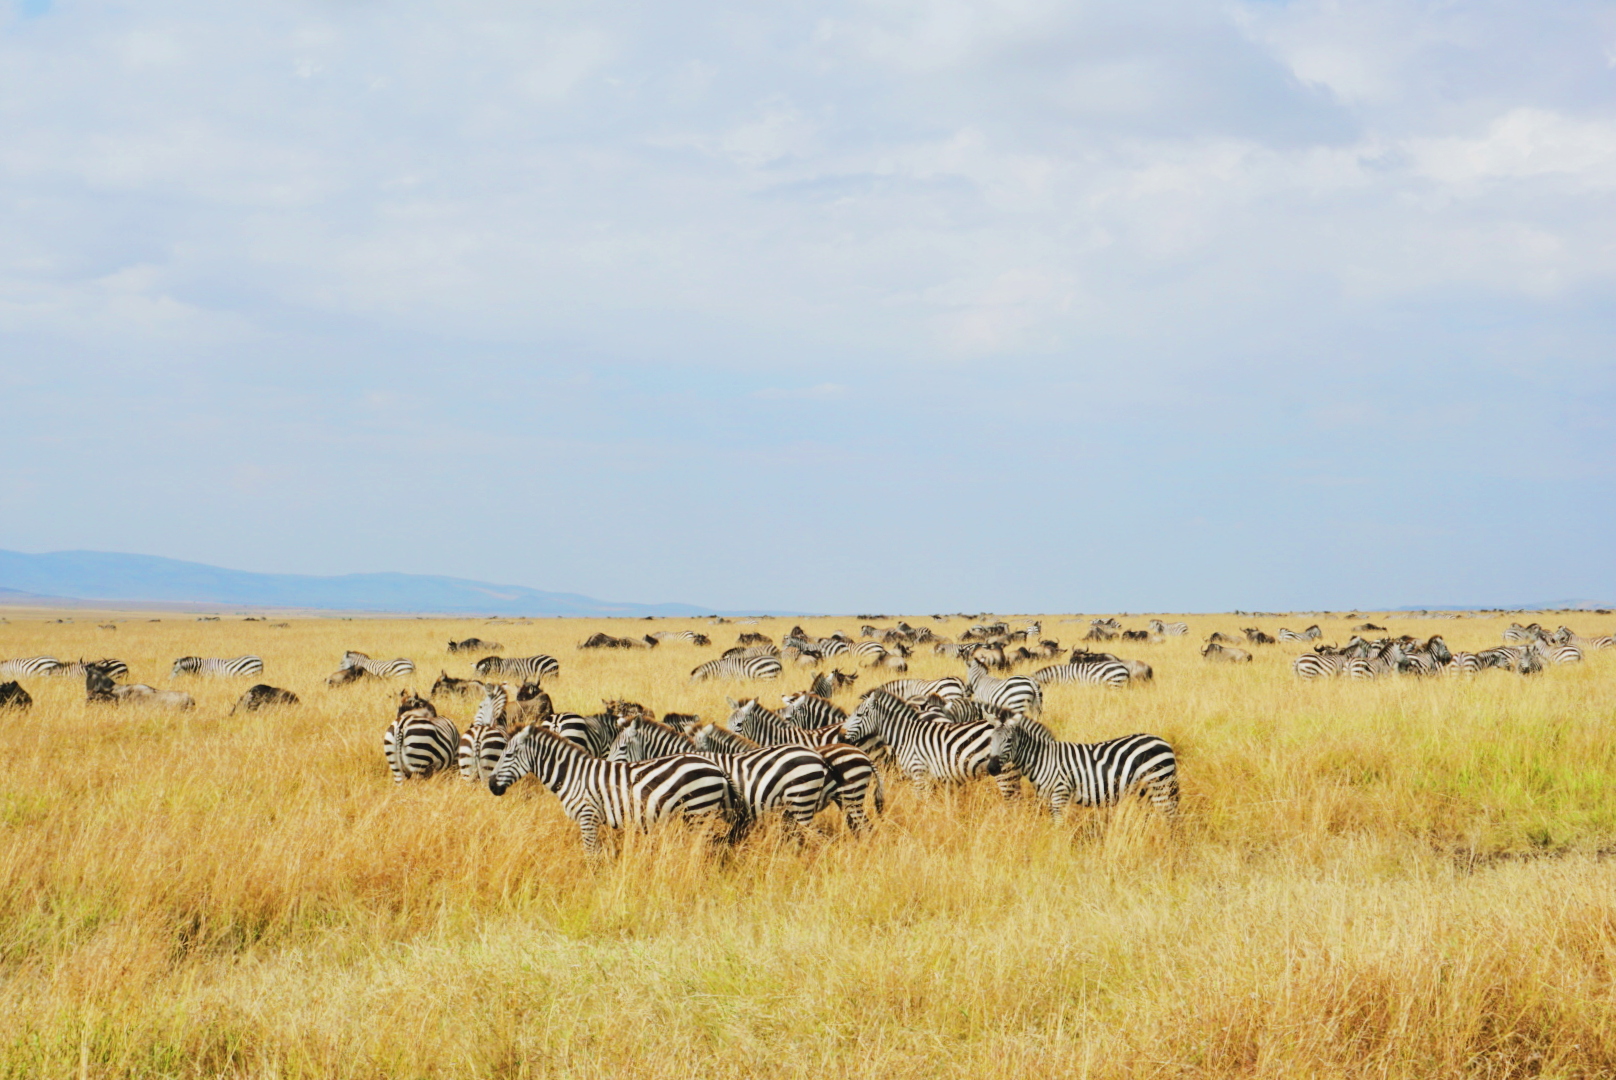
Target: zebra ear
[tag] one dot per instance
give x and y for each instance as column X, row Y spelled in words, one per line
column 733, row 704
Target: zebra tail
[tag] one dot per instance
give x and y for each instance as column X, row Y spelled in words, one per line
column 880, row 793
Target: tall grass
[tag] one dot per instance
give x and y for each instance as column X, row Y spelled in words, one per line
column 1401, row 878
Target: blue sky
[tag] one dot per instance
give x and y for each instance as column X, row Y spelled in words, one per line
column 838, row 307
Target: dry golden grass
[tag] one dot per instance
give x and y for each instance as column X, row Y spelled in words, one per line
column 1398, row 879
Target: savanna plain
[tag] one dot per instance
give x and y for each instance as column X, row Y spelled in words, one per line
column 1398, row 878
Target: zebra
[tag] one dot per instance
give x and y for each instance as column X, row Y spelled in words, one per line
column 1518, row 633
column 811, row 711
column 592, row 734
column 1465, row 662
column 912, row 690
column 1168, row 629
column 1017, row 694
column 1564, row 653
column 792, row 779
column 418, row 742
column 1097, row 672
column 826, row 683
column 926, row 750
column 751, row 719
column 113, row 669
column 197, row 665
column 526, row 668
column 1312, row 633
column 852, row 772
column 1387, row 660
column 1319, row 665
column 484, row 741
column 30, row 665
column 682, row 635
column 1033, row 630
column 1567, row 636
column 1090, row 774
column 751, row 650
column 382, row 669
column 615, row 794
column 739, row 667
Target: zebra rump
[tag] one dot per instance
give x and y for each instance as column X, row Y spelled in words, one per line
column 1090, row 774
column 418, row 742
column 29, row 665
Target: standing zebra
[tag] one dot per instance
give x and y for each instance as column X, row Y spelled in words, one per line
column 851, row 770
column 811, row 711
column 1091, row 774
column 418, row 742
column 1320, row 665
column 1097, row 672
column 826, row 683
column 1312, row 633
column 926, row 750
column 1017, row 694
column 613, row 793
column 382, row 669
column 484, row 741
column 197, row 665
column 30, row 665
column 591, row 734
column 794, row 780
column 526, row 668
column 739, row 667
column 915, row 690
column 682, row 635
column 112, row 669
column 1168, row 629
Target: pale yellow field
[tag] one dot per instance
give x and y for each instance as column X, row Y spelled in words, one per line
column 1397, row 879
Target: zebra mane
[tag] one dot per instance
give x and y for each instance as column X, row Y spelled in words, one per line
column 628, row 723
column 713, row 737
column 1033, row 729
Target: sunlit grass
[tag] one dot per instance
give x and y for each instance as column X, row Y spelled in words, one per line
column 1402, row 878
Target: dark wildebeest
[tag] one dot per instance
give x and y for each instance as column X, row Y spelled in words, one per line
column 262, row 696
column 532, row 705
column 100, row 689
column 1225, row 653
column 1136, row 635
column 472, row 644
column 1257, row 637
column 750, row 638
column 448, row 684
column 13, row 696
column 344, row 676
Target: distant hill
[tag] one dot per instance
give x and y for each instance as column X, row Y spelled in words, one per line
column 36, row 580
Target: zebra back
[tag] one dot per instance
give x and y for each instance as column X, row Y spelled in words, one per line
column 811, row 711
column 29, row 665
column 1090, row 774
column 1096, row 672
column 738, row 667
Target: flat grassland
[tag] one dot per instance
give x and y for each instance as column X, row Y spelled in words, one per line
column 1403, row 878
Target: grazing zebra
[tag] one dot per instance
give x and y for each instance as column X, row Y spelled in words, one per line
column 1518, row 633
column 418, row 742
column 1090, row 774
column 113, row 669
column 851, row 771
column 1312, row 633
column 752, row 720
column 262, row 696
column 472, row 644
column 739, row 667
column 1168, row 629
column 13, row 696
column 751, row 650
column 197, row 665
column 811, row 711
column 31, row 665
column 1319, row 665
column 1387, row 660
column 792, row 779
column 1099, row 672
column 1467, row 663
column 382, row 669
column 1558, row 653
column 526, row 668
column 1567, row 636
column 1017, row 694
column 682, row 635
column 925, row 750
column 913, row 690
column 484, row 741
column 826, row 683
column 591, row 734
column 613, row 793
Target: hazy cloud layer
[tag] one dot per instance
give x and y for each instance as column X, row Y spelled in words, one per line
column 886, row 305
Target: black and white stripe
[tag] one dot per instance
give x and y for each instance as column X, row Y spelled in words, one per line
column 826, row 683
column 484, row 741
column 526, row 668
column 1168, row 629
column 1089, row 774
column 1017, row 694
column 78, row 669
column 915, row 691
column 199, row 665
column 1095, row 672
column 382, row 669
column 614, row 794
column 852, row 771
column 794, row 780
column 28, row 666
column 810, row 710
column 687, row 636
column 418, row 742
column 591, row 734
column 739, row 667
column 1312, row 633
column 1320, row 665
column 926, row 751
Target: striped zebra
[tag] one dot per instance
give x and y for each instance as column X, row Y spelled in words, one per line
column 591, row 734
column 751, row 650
column 738, row 667
column 1168, row 629
column 112, row 669
column 526, row 668
column 1387, row 660
column 418, row 742
column 1320, row 665
column 795, row 780
column 1464, row 662
column 810, row 710
column 826, row 683
column 751, row 719
column 1312, row 633
column 915, row 690
column 1567, row 636
column 1090, row 774
column 1516, row 633
column 29, row 665
column 198, row 665
column 1565, row 653
column 1033, row 630
column 926, row 751
column 1095, row 672
column 484, row 741
column 852, row 772
column 688, row 636
column 614, row 794
column 382, row 669
column 1017, row 694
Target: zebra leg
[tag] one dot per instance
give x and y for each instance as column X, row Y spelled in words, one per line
column 589, row 830
column 1009, row 781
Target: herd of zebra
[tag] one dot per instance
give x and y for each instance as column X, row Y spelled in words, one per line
column 1527, row 650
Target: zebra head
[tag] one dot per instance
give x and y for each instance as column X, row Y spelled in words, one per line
column 743, row 716
column 523, row 754
column 185, row 664
column 862, row 721
column 1006, row 741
